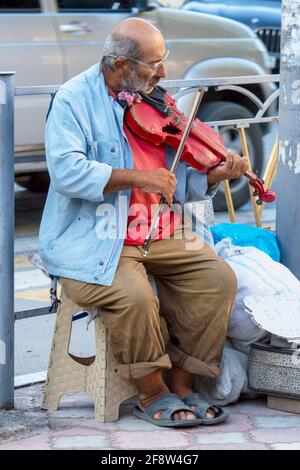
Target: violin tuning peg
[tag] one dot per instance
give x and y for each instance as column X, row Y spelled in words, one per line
column 262, row 181
column 259, row 202
column 255, row 193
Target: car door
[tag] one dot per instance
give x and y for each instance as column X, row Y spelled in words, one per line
column 29, row 46
column 82, row 26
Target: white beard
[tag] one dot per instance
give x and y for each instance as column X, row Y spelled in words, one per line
column 133, row 82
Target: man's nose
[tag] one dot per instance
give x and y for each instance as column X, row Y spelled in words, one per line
column 162, row 71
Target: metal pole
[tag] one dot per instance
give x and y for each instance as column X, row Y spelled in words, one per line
column 6, row 240
column 245, row 150
column 270, row 172
column 288, row 174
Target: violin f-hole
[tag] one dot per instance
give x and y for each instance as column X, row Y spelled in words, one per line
column 170, row 129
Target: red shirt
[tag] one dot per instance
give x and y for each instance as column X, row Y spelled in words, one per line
column 147, row 156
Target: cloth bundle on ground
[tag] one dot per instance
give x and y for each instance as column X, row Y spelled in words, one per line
column 232, row 383
column 259, row 278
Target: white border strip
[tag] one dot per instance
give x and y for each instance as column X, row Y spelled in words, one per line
column 30, row 379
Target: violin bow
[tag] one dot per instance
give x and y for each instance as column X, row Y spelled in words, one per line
column 158, row 212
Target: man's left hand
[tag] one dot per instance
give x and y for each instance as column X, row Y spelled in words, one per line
column 234, row 167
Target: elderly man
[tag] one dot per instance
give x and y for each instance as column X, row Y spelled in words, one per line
column 99, row 171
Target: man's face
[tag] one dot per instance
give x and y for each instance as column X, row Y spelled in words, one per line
column 145, row 75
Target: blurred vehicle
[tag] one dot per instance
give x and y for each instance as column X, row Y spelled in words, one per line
column 48, row 41
column 263, row 16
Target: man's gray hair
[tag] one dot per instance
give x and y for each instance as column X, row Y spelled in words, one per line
column 117, row 45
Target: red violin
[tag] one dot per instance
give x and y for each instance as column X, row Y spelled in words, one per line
column 157, row 119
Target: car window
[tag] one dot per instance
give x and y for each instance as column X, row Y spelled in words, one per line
column 23, row 6
column 87, row 5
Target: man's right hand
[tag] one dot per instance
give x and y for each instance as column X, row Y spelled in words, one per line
column 159, row 181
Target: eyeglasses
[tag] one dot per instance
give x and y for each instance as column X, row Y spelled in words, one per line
column 155, row 67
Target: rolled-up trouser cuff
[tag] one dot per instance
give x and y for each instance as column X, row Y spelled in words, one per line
column 191, row 364
column 141, row 369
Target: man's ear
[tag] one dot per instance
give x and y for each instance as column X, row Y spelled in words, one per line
column 119, row 64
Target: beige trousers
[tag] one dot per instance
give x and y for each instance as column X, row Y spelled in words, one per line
column 196, row 291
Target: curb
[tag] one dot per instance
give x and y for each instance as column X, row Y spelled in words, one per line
column 30, row 379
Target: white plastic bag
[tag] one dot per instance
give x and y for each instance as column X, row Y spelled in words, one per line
column 257, row 275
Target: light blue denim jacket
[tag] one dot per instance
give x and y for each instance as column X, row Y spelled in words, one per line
column 84, row 143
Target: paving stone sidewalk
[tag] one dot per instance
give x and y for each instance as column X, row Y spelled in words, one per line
column 251, row 426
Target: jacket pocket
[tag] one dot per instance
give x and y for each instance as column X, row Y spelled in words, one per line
column 105, row 151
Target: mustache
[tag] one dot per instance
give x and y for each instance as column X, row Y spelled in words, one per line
column 134, row 82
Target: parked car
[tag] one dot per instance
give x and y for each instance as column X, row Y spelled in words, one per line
column 263, row 16
column 48, row 42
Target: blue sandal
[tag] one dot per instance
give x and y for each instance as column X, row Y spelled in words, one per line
column 202, row 408
column 169, row 404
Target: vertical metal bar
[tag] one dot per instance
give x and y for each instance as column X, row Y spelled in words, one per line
column 229, row 202
column 270, row 172
column 288, row 173
column 6, row 240
column 245, row 150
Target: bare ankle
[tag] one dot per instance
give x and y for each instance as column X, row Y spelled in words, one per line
column 150, row 388
column 147, row 400
column 181, row 391
column 180, row 382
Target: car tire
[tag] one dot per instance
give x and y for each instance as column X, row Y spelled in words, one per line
column 221, row 111
column 36, row 182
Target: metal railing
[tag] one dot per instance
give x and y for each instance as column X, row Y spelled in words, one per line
column 7, row 93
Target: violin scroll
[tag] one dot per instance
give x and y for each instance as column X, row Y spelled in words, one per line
column 264, row 195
